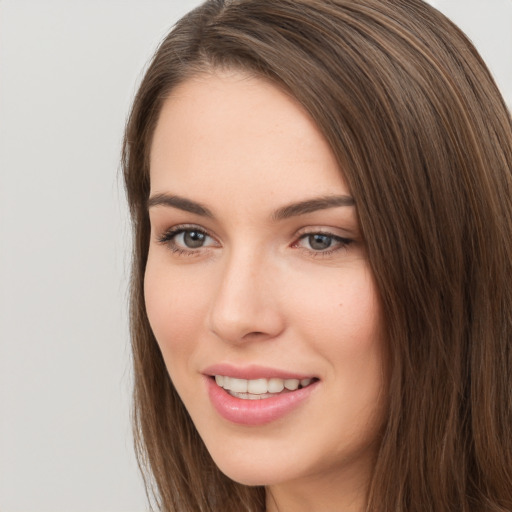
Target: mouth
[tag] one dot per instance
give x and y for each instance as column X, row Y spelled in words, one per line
column 254, row 395
column 257, row 400
column 259, row 389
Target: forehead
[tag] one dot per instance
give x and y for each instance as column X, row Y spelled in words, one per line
column 233, row 132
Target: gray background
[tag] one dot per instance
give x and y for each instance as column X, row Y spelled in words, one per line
column 68, row 71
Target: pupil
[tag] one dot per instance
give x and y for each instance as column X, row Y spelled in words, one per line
column 320, row 242
column 193, row 239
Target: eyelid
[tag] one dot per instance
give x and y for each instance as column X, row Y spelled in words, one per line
column 345, row 234
column 341, row 243
column 168, row 236
column 326, row 234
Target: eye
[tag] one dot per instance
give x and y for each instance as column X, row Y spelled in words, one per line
column 189, row 240
column 322, row 242
column 319, row 242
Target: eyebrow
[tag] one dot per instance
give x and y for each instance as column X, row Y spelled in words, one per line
column 291, row 210
column 312, row 205
column 179, row 202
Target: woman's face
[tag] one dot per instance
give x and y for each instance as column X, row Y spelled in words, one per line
column 257, row 278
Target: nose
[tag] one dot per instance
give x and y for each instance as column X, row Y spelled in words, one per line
column 246, row 303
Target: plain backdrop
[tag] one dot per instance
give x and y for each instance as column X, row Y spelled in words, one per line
column 68, row 71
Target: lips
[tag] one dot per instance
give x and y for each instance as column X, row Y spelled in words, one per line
column 256, row 395
column 252, row 372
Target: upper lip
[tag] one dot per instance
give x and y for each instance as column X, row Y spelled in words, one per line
column 253, row 372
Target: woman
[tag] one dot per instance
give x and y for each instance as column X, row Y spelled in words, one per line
column 321, row 309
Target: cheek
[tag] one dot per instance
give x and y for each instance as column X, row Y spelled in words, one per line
column 344, row 310
column 342, row 321
column 176, row 315
column 175, row 310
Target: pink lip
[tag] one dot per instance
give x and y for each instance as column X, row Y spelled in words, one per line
column 252, row 372
column 255, row 412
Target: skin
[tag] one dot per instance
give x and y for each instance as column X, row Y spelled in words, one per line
column 259, row 291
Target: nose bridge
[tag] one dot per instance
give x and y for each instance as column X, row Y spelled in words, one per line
column 244, row 303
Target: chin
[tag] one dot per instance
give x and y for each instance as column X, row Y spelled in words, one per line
column 249, row 474
column 247, row 471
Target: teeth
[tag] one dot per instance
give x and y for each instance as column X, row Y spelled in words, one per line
column 275, row 385
column 238, row 385
column 291, row 384
column 257, row 387
column 249, row 388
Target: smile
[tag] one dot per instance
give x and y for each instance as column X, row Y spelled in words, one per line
column 258, row 401
column 257, row 389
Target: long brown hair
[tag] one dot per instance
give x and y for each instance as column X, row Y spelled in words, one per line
column 425, row 143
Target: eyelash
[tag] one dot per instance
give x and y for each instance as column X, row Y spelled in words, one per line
column 168, row 239
column 340, row 243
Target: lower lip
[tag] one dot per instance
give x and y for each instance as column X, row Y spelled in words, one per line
column 256, row 412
